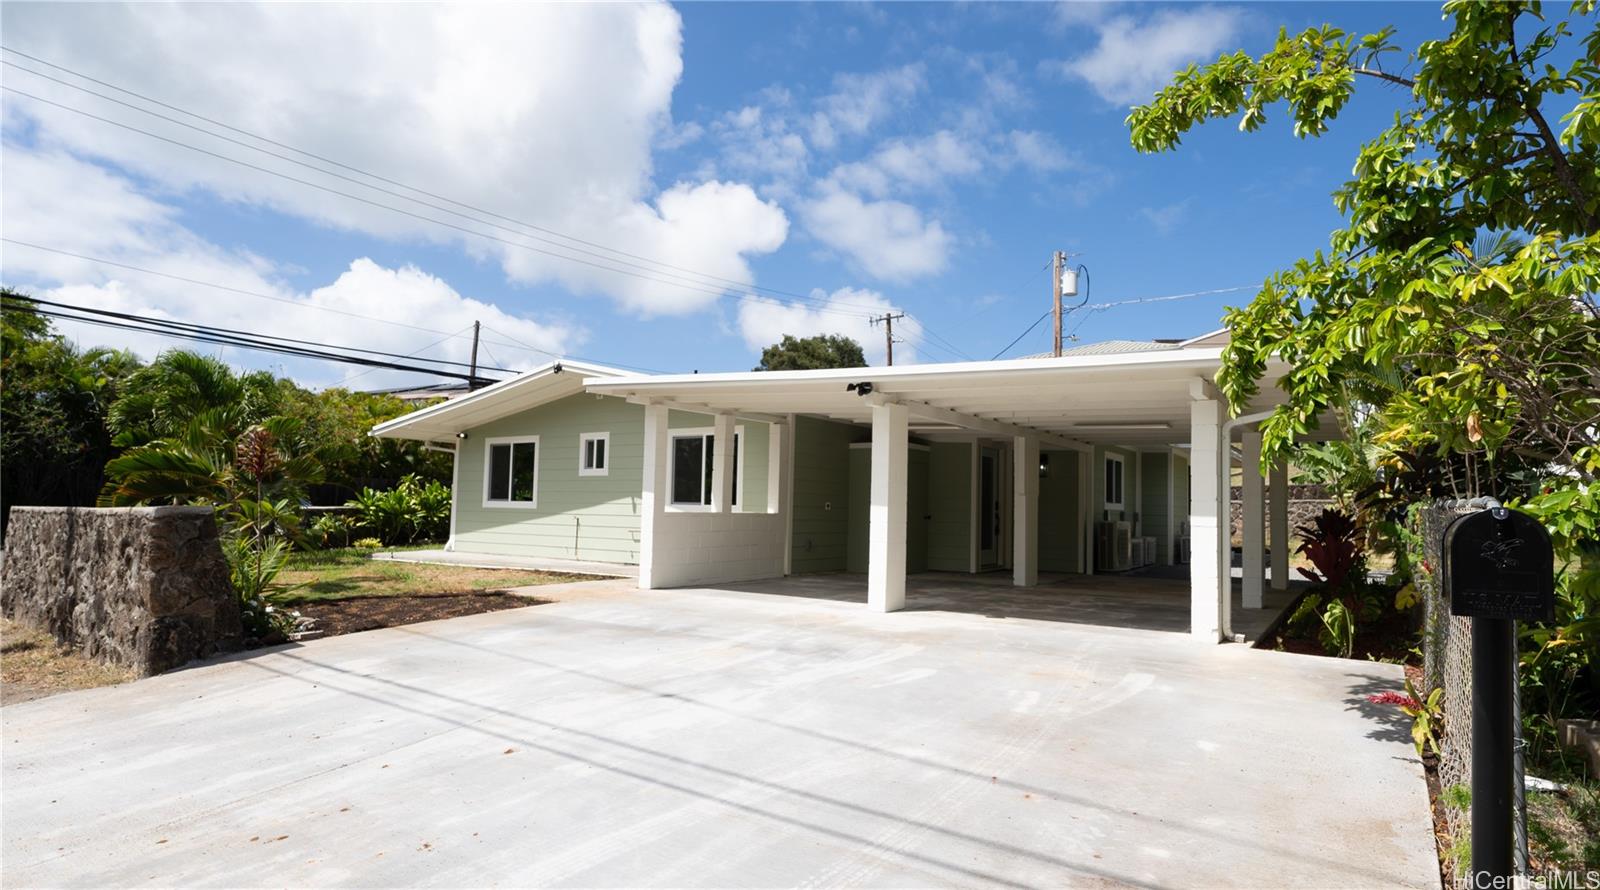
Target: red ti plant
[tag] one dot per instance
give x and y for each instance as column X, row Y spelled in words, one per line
column 1332, row 541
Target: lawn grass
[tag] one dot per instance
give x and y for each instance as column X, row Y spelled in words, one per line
column 34, row 665
column 328, row 575
column 1564, row 826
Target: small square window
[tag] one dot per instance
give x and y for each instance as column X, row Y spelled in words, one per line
column 594, row 454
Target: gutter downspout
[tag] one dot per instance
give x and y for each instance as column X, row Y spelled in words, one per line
column 1225, row 510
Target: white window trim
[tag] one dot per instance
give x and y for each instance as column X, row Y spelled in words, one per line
column 702, row 431
column 538, row 457
column 584, row 439
column 1122, row 478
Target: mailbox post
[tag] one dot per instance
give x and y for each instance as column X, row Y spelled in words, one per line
column 1497, row 570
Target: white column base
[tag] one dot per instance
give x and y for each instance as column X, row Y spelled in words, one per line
column 886, row 534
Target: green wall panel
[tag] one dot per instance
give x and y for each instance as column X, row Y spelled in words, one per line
column 1155, row 518
column 581, row 517
column 1059, row 520
column 950, row 506
column 822, row 494
column 861, row 504
column 576, row 517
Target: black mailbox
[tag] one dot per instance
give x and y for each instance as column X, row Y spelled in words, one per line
column 1498, row 563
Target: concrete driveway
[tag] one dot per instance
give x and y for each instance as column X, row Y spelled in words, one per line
column 724, row 738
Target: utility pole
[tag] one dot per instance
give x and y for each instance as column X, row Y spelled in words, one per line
column 1055, row 278
column 472, row 382
column 888, row 332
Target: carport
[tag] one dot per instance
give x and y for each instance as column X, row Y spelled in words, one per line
column 1155, row 399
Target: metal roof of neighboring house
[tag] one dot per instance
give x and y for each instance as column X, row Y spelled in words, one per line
column 424, row 391
column 546, row 383
column 1217, row 337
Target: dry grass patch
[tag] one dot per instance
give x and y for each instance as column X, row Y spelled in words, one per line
column 324, row 575
column 33, row 665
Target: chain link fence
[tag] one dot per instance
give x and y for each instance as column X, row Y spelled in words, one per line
column 1447, row 665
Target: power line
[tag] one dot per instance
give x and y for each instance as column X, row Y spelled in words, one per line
column 524, row 224
column 1025, row 333
column 413, row 353
column 242, row 343
column 1100, row 307
column 213, row 329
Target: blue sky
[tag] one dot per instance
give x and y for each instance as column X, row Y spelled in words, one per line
column 847, row 158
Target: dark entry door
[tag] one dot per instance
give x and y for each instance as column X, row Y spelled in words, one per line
column 988, row 507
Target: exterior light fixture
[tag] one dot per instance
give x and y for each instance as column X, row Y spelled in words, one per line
column 461, row 435
column 1044, row 465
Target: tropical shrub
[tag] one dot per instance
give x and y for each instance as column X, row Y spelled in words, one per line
column 1341, row 600
column 331, row 530
column 415, row 510
column 253, row 567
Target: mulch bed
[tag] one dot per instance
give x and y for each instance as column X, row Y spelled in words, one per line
column 1390, row 638
column 361, row 613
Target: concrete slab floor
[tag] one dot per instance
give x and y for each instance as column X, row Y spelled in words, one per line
column 1135, row 601
column 723, row 738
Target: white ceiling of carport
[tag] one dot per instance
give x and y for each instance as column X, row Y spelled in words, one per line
column 1074, row 396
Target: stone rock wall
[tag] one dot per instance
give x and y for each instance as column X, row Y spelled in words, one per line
column 1302, row 509
column 142, row 587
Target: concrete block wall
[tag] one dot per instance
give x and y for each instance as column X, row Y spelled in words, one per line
column 693, row 548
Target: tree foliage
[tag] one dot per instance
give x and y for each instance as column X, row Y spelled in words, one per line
column 1498, row 351
column 1455, row 316
column 53, row 403
column 811, row 353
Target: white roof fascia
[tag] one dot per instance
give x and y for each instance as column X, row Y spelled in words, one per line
column 1021, row 367
column 584, row 371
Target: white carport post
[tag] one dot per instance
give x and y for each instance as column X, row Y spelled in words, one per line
column 1253, row 507
column 722, row 468
column 1025, row 505
column 787, row 434
column 1206, row 462
column 654, row 493
column 1278, row 525
column 886, row 535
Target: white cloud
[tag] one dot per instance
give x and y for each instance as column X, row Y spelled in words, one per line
column 1135, row 56
column 1166, row 218
column 920, row 163
column 1038, row 151
column 542, row 112
column 890, row 240
column 844, row 312
column 396, row 310
column 860, row 101
column 758, row 142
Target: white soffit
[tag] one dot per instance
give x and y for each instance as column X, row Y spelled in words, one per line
column 1132, row 398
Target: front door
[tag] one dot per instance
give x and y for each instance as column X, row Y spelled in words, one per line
column 988, row 507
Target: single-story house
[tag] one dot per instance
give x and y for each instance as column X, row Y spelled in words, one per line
column 1104, row 459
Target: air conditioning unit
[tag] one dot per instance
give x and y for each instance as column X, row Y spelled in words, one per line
column 1113, row 546
column 1149, row 549
column 1183, row 549
column 1137, row 557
